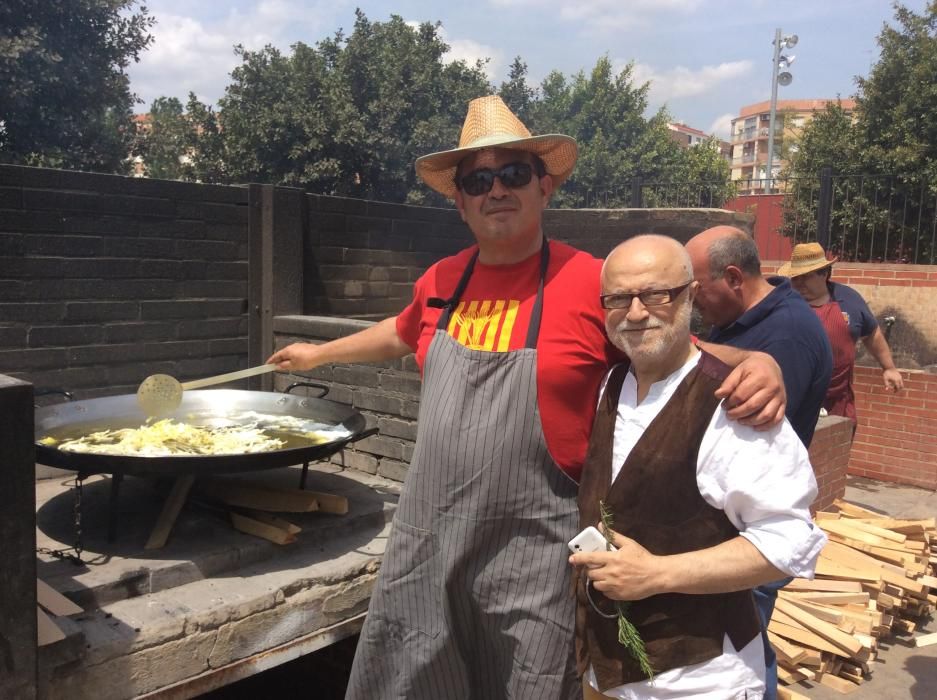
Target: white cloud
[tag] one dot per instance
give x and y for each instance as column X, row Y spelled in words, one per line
column 722, row 126
column 607, row 15
column 469, row 51
column 189, row 54
column 678, row 82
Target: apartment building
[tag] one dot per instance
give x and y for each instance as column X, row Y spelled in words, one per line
column 750, row 132
column 687, row 136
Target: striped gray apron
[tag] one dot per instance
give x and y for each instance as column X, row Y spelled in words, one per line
column 473, row 598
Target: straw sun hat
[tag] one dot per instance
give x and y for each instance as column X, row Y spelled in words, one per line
column 490, row 124
column 806, row 257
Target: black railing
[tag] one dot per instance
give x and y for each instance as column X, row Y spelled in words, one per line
column 861, row 218
column 865, row 218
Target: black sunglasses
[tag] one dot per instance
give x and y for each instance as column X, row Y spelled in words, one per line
column 481, row 181
column 649, row 297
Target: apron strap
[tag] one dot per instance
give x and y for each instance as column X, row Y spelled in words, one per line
column 447, row 305
column 533, row 328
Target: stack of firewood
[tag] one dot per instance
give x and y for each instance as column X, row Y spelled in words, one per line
column 874, row 577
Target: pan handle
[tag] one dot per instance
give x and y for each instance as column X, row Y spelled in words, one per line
column 364, row 434
column 312, row 385
column 47, row 391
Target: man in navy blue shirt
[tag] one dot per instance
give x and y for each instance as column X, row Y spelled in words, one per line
column 750, row 312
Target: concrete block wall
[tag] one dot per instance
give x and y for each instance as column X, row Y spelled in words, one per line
column 896, row 439
column 106, row 279
column 362, row 258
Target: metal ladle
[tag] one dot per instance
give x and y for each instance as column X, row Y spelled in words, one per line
column 161, row 393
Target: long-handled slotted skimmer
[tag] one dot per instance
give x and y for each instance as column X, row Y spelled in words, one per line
column 162, row 393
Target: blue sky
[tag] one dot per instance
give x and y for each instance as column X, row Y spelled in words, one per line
column 705, row 58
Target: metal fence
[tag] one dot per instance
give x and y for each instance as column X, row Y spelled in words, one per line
column 861, row 218
column 865, row 218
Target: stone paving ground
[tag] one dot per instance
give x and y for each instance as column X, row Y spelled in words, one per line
column 901, row 671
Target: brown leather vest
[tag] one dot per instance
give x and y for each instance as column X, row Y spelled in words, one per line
column 655, row 500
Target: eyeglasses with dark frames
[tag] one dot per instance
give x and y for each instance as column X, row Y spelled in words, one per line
column 512, row 175
column 649, row 297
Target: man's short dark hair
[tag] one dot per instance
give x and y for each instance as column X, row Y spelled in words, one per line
column 739, row 251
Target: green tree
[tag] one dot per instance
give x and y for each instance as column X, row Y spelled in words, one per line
column 604, row 112
column 350, row 115
column 700, row 178
column 65, row 99
column 164, row 146
column 205, row 144
column 515, row 91
column 884, row 162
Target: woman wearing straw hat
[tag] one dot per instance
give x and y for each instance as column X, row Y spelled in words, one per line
column 846, row 318
column 474, row 594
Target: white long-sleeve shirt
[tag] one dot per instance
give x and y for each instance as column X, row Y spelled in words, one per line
column 764, row 482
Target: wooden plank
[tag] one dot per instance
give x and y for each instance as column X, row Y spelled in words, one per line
column 929, row 581
column 824, row 585
column 53, row 601
column 824, row 613
column 853, row 510
column 783, row 648
column 331, row 503
column 171, row 508
column 830, row 598
column 832, row 569
column 273, row 520
column 788, row 694
column 837, row 637
column 802, row 636
column 244, row 494
column 880, row 531
column 49, row 632
column 925, row 639
column 838, row 684
column 259, row 529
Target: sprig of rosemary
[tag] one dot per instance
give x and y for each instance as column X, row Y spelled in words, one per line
column 628, row 635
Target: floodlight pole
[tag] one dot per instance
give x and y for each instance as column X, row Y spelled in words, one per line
column 769, row 170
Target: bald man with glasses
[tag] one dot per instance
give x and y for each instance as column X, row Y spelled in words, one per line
column 702, row 508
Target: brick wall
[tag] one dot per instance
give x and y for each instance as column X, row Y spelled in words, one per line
column 907, row 292
column 106, row 279
column 896, row 439
column 829, row 455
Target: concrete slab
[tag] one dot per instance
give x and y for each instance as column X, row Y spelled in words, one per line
column 901, row 670
column 213, row 599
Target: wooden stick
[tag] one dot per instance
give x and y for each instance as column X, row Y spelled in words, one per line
column 925, row 639
column 836, row 636
column 53, row 601
column 167, row 517
column 260, row 529
column 48, row 631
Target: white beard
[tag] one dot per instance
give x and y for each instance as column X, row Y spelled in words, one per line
column 656, row 342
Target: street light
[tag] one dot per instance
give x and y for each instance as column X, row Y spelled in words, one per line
column 778, row 77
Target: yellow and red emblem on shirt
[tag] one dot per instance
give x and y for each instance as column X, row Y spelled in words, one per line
column 484, row 325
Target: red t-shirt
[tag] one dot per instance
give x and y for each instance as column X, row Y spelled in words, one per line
column 573, row 352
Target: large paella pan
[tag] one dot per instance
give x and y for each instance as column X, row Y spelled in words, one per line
column 307, row 429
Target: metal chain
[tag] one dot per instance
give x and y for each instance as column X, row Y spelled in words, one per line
column 66, row 554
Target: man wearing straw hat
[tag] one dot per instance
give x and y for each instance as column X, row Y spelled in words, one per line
column 846, row 318
column 474, row 594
